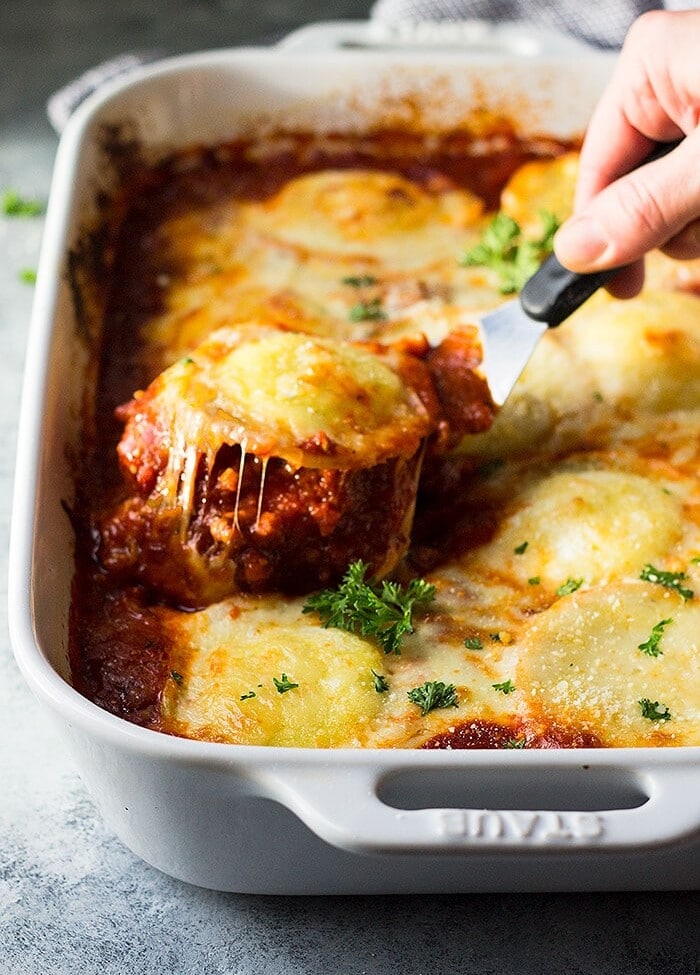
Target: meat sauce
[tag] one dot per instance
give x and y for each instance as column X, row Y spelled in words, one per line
column 490, row 734
column 312, row 520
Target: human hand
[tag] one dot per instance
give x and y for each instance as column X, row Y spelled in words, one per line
column 653, row 96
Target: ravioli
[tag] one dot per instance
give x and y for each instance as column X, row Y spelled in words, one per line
column 370, row 214
column 290, row 260
column 582, row 658
column 643, row 354
column 244, row 674
column 588, row 523
column 307, row 337
column 248, row 466
column 541, row 185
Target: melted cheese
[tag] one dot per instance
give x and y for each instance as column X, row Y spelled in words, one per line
column 598, row 525
column 644, row 353
column 610, row 359
column 582, row 658
column 377, row 215
column 228, row 665
column 590, row 472
column 588, row 524
column 543, row 184
column 286, row 261
column 239, row 645
column 313, row 402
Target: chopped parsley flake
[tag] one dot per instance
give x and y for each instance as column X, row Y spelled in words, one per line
column 367, row 311
column 178, row 678
column 670, row 580
column 653, row 710
column 520, row 549
column 13, row 204
column 503, row 249
column 571, row 585
column 381, row 684
column 490, row 467
column 383, row 610
column 473, row 643
column 652, row 646
column 505, row 687
column 283, row 684
column 533, row 581
column 515, row 743
column 433, row 694
column 27, row 275
column 360, row 281
column 247, row 697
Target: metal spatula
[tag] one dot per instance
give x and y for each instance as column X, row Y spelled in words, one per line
column 510, row 333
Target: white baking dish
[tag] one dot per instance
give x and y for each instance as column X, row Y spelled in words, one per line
column 269, row 820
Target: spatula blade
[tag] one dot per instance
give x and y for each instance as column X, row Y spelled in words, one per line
column 508, row 339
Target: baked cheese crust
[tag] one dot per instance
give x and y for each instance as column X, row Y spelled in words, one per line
column 563, row 542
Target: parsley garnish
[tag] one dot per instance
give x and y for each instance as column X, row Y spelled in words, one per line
column 383, row 610
column 653, row 710
column 283, row 684
column 359, row 281
column 503, row 248
column 367, row 311
column 433, row 694
column 521, row 549
column 381, row 684
column 515, row 743
column 178, row 678
column 247, row 697
column 506, row 687
column 651, row 646
column 671, row 580
column 695, row 560
column 490, row 467
column 566, row 588
column 473, row 643
column 533, row 581
column 27, row 275
column 15, row 205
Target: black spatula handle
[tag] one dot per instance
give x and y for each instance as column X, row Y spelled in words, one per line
column 553, row 292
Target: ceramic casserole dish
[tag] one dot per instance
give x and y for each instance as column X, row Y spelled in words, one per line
column 316, row 821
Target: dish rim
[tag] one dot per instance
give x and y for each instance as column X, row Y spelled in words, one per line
column 39, row 673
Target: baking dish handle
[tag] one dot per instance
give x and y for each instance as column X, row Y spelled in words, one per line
column 513, row 39
column 347, row 812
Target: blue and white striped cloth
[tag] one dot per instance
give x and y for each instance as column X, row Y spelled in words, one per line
column 602, row 23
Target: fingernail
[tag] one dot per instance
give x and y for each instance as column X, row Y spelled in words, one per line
column 580, row 241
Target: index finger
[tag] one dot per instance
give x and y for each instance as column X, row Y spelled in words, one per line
column 611, row 148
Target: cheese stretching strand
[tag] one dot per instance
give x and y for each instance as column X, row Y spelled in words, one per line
column 269, row 459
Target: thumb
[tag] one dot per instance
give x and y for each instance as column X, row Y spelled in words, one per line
column 638, row 212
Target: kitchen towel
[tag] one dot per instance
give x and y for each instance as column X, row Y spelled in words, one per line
column 602, row 23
